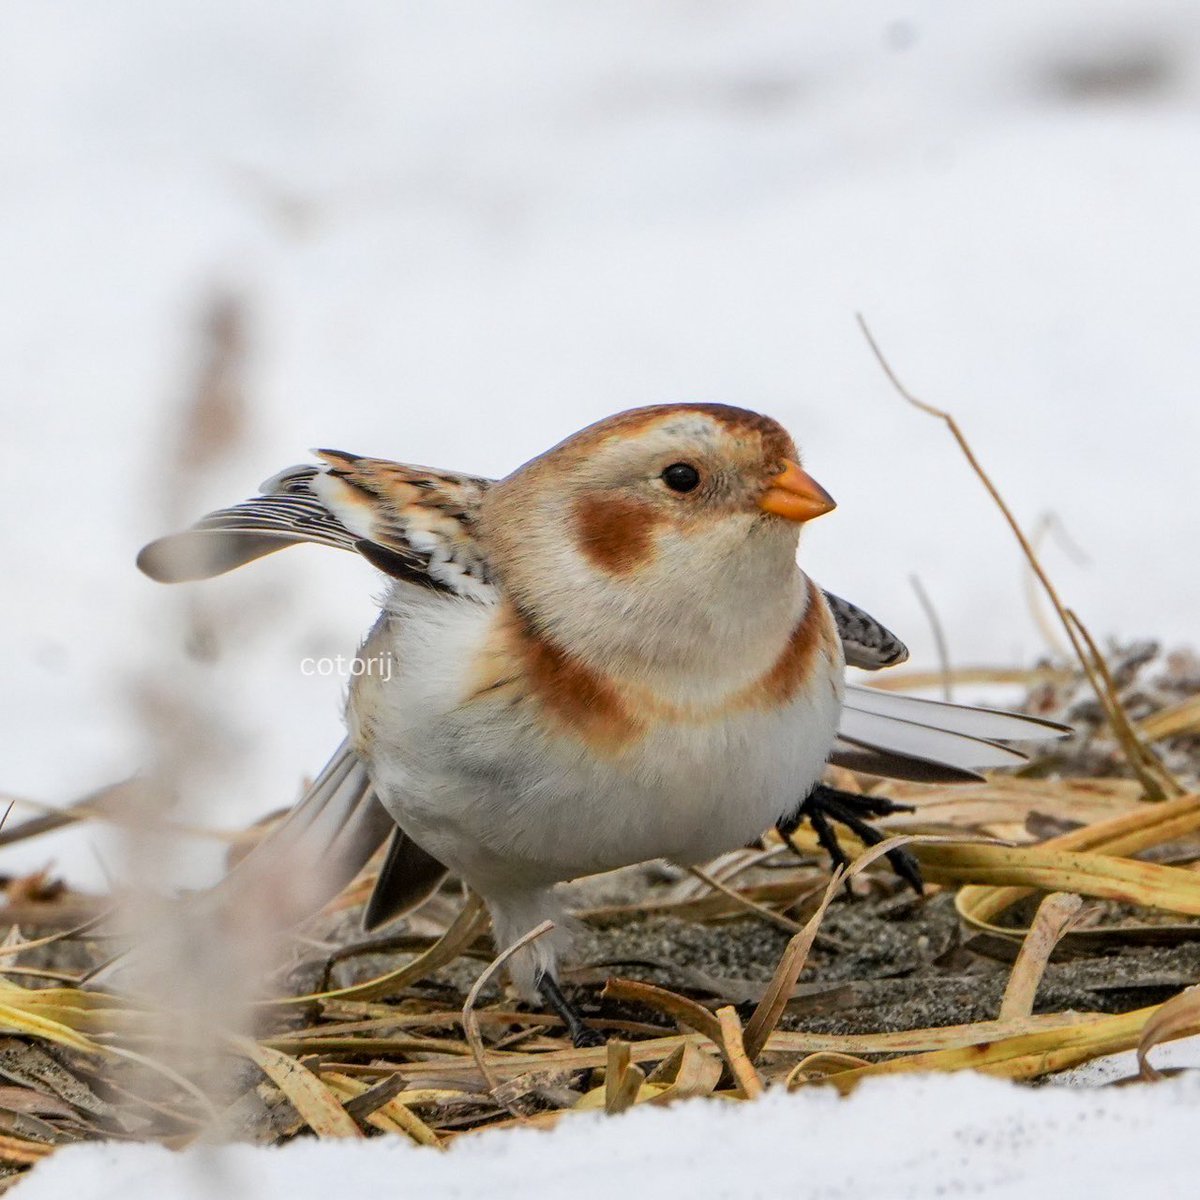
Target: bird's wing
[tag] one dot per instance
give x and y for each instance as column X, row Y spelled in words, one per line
column 866, row 642
column 413, row 523
column 905, row 737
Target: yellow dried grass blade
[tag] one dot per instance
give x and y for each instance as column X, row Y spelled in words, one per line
column 920, row 1041
column 1175, row 721
column 820, row 1065
column 14, row 1019
column 686, row 1072
column 723, row 1029
column 317, row 1106
column 734, row 1049
column 463, row 930
column 1150, row 825
column 1178, row 1016
column 470, row 1021
column 1025, row 1056
column 681, row 1009
column 623, row 1081
column 1127, row 880
column 1055, row 915
column 393, row 1116
column 774, row 1000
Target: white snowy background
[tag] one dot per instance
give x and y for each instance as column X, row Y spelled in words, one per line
column 459, row 231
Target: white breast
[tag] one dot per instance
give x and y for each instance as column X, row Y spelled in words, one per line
column 506, row 803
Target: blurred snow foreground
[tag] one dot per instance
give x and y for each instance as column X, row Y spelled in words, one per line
column 918, row 1137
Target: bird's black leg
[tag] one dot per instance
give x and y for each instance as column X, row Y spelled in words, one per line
column 581, row 1035
column 824, row 805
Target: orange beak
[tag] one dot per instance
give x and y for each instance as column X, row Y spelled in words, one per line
column 794, row 494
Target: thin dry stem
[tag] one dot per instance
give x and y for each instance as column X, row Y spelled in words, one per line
column 469, row 1020
column 1158, row 783
column 759, row 910
column 939, row 636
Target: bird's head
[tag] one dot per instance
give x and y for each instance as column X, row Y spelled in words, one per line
column 682, row 517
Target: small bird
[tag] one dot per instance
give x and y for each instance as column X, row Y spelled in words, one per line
column 607, row 657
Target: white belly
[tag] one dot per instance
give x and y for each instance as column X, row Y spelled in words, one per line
column 505, row 803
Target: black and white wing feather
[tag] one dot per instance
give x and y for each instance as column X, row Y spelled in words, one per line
column 866, row 642
column 413, row 523
column 904, row 737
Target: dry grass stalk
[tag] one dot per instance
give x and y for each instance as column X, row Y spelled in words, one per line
column 1126, row 834
column 1030, row 1055
column 1158, row 782
column 1176, row 721
column 469, row 1020
column 622, row 1080
column 389, row 1115
column 1178, row 1017
column 770, row 1007
column 679, row 1008
column 467, row 926
column 939, row 636
column 744, row 902
column 734, row 1049
column 315, row 1103
column 1055, row 915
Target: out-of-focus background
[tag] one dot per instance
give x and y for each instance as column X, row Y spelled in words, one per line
column 454, row 233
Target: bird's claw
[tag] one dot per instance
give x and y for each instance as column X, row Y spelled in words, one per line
column 824, row 806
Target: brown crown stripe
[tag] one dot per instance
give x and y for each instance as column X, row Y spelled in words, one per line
column 777, row 443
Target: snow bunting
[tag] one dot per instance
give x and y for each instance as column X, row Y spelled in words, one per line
column 607, row 657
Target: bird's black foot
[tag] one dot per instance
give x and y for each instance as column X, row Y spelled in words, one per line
column 581, row 1036
column 825, row 805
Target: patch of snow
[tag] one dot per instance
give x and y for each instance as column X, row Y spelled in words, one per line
column 1181, row 1054
column 895, row 1138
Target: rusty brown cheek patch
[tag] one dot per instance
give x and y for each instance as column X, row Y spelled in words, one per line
column 615, row 533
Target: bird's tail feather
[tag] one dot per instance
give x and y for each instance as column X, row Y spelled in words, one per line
column 408, row 876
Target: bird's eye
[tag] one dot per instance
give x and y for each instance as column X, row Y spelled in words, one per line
column 681, row 477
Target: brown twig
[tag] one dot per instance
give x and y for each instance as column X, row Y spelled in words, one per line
column 759, row 910
column 471, row 1022
column 1157, row 781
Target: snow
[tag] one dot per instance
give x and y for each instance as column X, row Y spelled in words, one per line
column 461, row 231
column 916, row 1137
